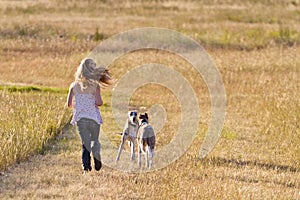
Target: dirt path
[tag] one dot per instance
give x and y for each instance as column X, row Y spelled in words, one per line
column 57, row 174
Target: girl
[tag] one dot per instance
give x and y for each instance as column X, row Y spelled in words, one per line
column 86, row 92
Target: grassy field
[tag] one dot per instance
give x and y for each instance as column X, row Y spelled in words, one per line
column 255, row 45
column 28, row 122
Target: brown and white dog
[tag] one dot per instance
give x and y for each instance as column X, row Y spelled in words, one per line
column 129, row 133
column 146, row 141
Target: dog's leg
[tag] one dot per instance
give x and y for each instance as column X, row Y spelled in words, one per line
column 151, row 157
column 147, row 156
column 139, row 154
column 132, row 150
column 121, row 147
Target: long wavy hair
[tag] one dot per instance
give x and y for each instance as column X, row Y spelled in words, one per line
column 89, row 73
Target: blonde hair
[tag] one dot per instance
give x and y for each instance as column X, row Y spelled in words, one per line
column 88, row 73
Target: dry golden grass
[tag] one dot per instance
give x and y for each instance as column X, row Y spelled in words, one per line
column 28, row 122
column 255, row 45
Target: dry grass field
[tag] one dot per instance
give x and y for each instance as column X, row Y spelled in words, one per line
column 254, row 43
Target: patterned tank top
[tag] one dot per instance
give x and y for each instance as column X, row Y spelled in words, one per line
column 85, row 104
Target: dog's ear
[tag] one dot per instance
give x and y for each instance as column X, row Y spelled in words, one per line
column 146, row 115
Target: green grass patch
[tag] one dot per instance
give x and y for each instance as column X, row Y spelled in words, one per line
column 32, row 89
column 228, row 134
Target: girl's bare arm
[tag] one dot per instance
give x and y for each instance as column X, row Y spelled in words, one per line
column 99, row 101
column 70, row 97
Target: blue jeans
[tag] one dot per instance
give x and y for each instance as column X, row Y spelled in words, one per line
column 89, row 131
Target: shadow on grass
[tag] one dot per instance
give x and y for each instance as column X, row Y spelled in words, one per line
column 66, row 141
column 217, row 161
column 238, row 164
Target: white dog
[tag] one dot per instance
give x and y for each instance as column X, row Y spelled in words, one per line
column 146, row 141
column 129, row 133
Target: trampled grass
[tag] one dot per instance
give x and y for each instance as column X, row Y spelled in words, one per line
column 255, row 45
